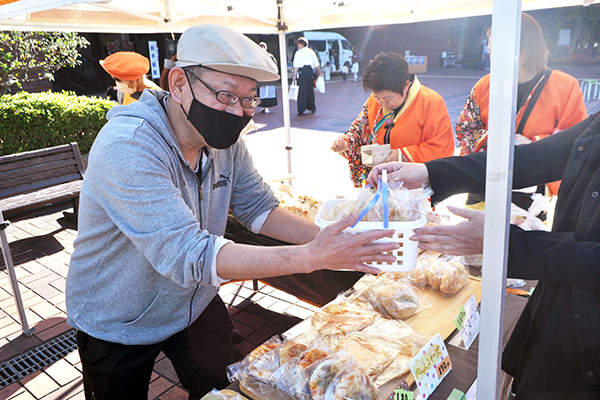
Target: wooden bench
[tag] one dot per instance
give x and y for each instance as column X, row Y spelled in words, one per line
column 34, row 182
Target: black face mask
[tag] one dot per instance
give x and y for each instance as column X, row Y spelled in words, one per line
column 219, row 129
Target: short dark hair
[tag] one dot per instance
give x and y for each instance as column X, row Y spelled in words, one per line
column 387, row 71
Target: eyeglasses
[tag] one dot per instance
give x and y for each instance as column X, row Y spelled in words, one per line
column 230, row 98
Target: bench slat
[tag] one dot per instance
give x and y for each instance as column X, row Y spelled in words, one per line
column 37, row 153
column 33, row 176
column 41, row 197
column 39, row 185
column 33, row 181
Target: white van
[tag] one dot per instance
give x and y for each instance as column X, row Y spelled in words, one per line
column 332, row 48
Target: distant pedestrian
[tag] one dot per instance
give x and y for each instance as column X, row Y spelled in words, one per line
column 306, row 69
column 345, row 72
column 356, row 58
column 267, row 91
column 129, row 70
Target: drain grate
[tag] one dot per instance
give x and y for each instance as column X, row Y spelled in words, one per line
column 37, row 358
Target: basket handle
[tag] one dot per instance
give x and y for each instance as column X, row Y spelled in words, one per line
column 367, row 208
column 382, row 190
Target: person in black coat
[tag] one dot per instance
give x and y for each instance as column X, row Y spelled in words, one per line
column 554, row 351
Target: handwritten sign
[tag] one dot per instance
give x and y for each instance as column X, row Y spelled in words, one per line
column 401, row 394
column 430, row 366
column 467, row 322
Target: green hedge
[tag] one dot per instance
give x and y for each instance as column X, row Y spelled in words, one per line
column 31, row 121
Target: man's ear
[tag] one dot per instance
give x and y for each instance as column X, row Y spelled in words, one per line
column 177, row 82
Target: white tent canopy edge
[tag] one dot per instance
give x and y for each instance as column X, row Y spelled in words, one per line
column 506, row 22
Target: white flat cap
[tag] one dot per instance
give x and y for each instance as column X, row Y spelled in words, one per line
column 226, row 50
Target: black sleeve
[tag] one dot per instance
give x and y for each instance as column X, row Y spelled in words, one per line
column 535, row 163
column 541, row 255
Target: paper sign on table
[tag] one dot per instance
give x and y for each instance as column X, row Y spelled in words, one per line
column 430, row 366
column 467, row 322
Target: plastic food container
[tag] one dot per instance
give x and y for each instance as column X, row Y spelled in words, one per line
column 406, row 254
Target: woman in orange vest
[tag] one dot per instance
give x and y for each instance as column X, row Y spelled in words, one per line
column 547, row 102
column 401, row 112
column 129, row 70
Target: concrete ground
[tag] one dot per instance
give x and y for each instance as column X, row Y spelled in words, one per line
column 42, row 246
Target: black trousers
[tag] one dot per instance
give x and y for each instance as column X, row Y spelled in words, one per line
column 199, row 353
column 306, row 89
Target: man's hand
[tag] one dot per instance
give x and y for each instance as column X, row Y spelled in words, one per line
column 334, row 249
column 462, row 239
column 413, row 175
column 339, row 145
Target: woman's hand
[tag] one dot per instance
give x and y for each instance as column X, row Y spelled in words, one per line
column 339, row 145
column 413, row 175
column 462, row 239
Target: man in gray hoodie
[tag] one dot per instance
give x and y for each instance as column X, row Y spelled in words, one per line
column 150, row 255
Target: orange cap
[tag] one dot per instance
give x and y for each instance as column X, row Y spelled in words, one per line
column 126, row 65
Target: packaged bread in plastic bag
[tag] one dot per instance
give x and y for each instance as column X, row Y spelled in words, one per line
column 404, row 204
column 324, row 373
column 341, row 317
column 448, row 274
column 383, row 349
column 293, row 377
column 351, row 383
column 391, row 297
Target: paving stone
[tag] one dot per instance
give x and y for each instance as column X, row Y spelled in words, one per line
column 250, row 320
column 45, row 310
column 22, row 342
column 46, row 291
column 158, row 387
column 165, row 368
column 54, row 331
column 39, row 384
column 67, row 391
column 62, row 372
column 11, row 390
column 175, row 393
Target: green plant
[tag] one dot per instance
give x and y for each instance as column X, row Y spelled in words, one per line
column 28, row 56
column 30, row 121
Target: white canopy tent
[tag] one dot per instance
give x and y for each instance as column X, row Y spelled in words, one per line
column 281, row 16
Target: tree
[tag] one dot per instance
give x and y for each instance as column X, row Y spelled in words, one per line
column 29, row 56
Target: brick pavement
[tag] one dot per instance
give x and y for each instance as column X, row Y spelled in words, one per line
column 42, row 247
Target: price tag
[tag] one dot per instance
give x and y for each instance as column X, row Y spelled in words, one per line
column 460, row 318
column 401, row 394
column 430, row 366
column 468, row 319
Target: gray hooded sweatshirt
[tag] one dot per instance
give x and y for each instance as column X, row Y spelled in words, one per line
column 144, row 263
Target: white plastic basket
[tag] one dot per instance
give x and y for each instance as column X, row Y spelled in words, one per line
column 406, row 254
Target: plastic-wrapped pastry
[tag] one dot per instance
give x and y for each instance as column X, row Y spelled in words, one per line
column 289, row 350
column 341, row 318
column 353, row 385
column 454, row 277
column 395, row 300
column 324, row 374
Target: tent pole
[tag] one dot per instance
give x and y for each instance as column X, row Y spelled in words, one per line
column 506, row 25
column 282, row 28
